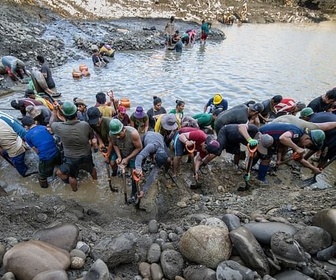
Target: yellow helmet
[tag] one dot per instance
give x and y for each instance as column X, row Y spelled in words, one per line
column 217, row 99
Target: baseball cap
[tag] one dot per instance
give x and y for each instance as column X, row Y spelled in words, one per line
column 306, row 112
column 169, row 122
column 122, row 109
column 257, row 107
column 317, row 136
column 27, row 121
column 161, row 157
column 265, row 141
column 212, row 146
column 93, row 114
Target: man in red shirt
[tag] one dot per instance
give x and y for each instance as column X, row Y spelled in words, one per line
column 195, row 142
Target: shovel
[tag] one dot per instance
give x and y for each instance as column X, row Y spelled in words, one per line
column 108, row 171
column 150, row 179
column 123, row 171
column 248, row 169
column 312, row 180
column 171, row 177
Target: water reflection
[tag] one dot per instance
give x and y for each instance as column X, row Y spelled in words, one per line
column 254, row 62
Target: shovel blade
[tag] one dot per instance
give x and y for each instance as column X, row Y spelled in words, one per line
column 308, row 182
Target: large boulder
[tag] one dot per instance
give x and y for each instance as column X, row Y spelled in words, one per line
column 52, row 275
column 28, row 259
column 263, row 231
column 98, row 271
column 117, row 250
column 249, row 250
column 326, row 219
column 206, row 245
column 313, row 239
column 63, row 236
column 171, row 263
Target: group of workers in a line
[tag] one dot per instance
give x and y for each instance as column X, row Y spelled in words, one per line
column 175, row 41
column 16, row 70
column 270, row 126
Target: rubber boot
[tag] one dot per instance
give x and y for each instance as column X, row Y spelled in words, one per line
column 262, row 173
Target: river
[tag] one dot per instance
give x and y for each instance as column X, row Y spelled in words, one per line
column 255, row 62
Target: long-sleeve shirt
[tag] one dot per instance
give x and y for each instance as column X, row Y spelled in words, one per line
column 152, row 143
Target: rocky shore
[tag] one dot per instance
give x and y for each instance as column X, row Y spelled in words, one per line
column 280, row 231
column 61, row 36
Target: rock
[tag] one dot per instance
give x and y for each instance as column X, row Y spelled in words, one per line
column 233, row 270
column 154, row 253
column 27, row 259
column 77, row 253
column 83, row 247
column 2, row 253
column 156, row 272
column 292, row 275
column 249, row 250
column 63, row 236
column 287, row 250
column 52, row 275
column 231, row 221
column 206, row 245
column 263, row 231
column 326, row 219
column 173, row 237
column 171, row 263
column 143, row 244
column 115, row 251
column 153, row 226
column 98, row 271
column 213, row 222
column 327, row 253
column 196, row 272
column 77, row 262
column 144, row 269
column 313, row 239
column 163, row 235
column 8, row 276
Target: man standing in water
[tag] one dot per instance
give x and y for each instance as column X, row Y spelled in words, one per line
column 170, row 30
column 45, row 70
column 205, row 30
column 75, row 136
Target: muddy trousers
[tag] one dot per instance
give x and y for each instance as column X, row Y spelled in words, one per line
column 262, row 172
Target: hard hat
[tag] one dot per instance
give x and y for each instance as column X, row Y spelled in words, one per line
column 317, row 136
column 217, row 99
column 306, row 112
column 69, row 109
column 115, row 126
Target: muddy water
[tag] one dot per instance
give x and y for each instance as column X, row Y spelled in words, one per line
column 254, row 62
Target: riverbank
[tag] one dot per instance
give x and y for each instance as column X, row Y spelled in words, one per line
column 61, row 36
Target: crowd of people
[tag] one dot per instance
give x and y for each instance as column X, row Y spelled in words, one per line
column 66, row 135
column 175, row 41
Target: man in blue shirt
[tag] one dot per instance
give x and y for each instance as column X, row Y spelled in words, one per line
column 216, row 102
column 42, row 142
column 288, row 136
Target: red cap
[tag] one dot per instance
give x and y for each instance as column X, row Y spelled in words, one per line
column 122, row 109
